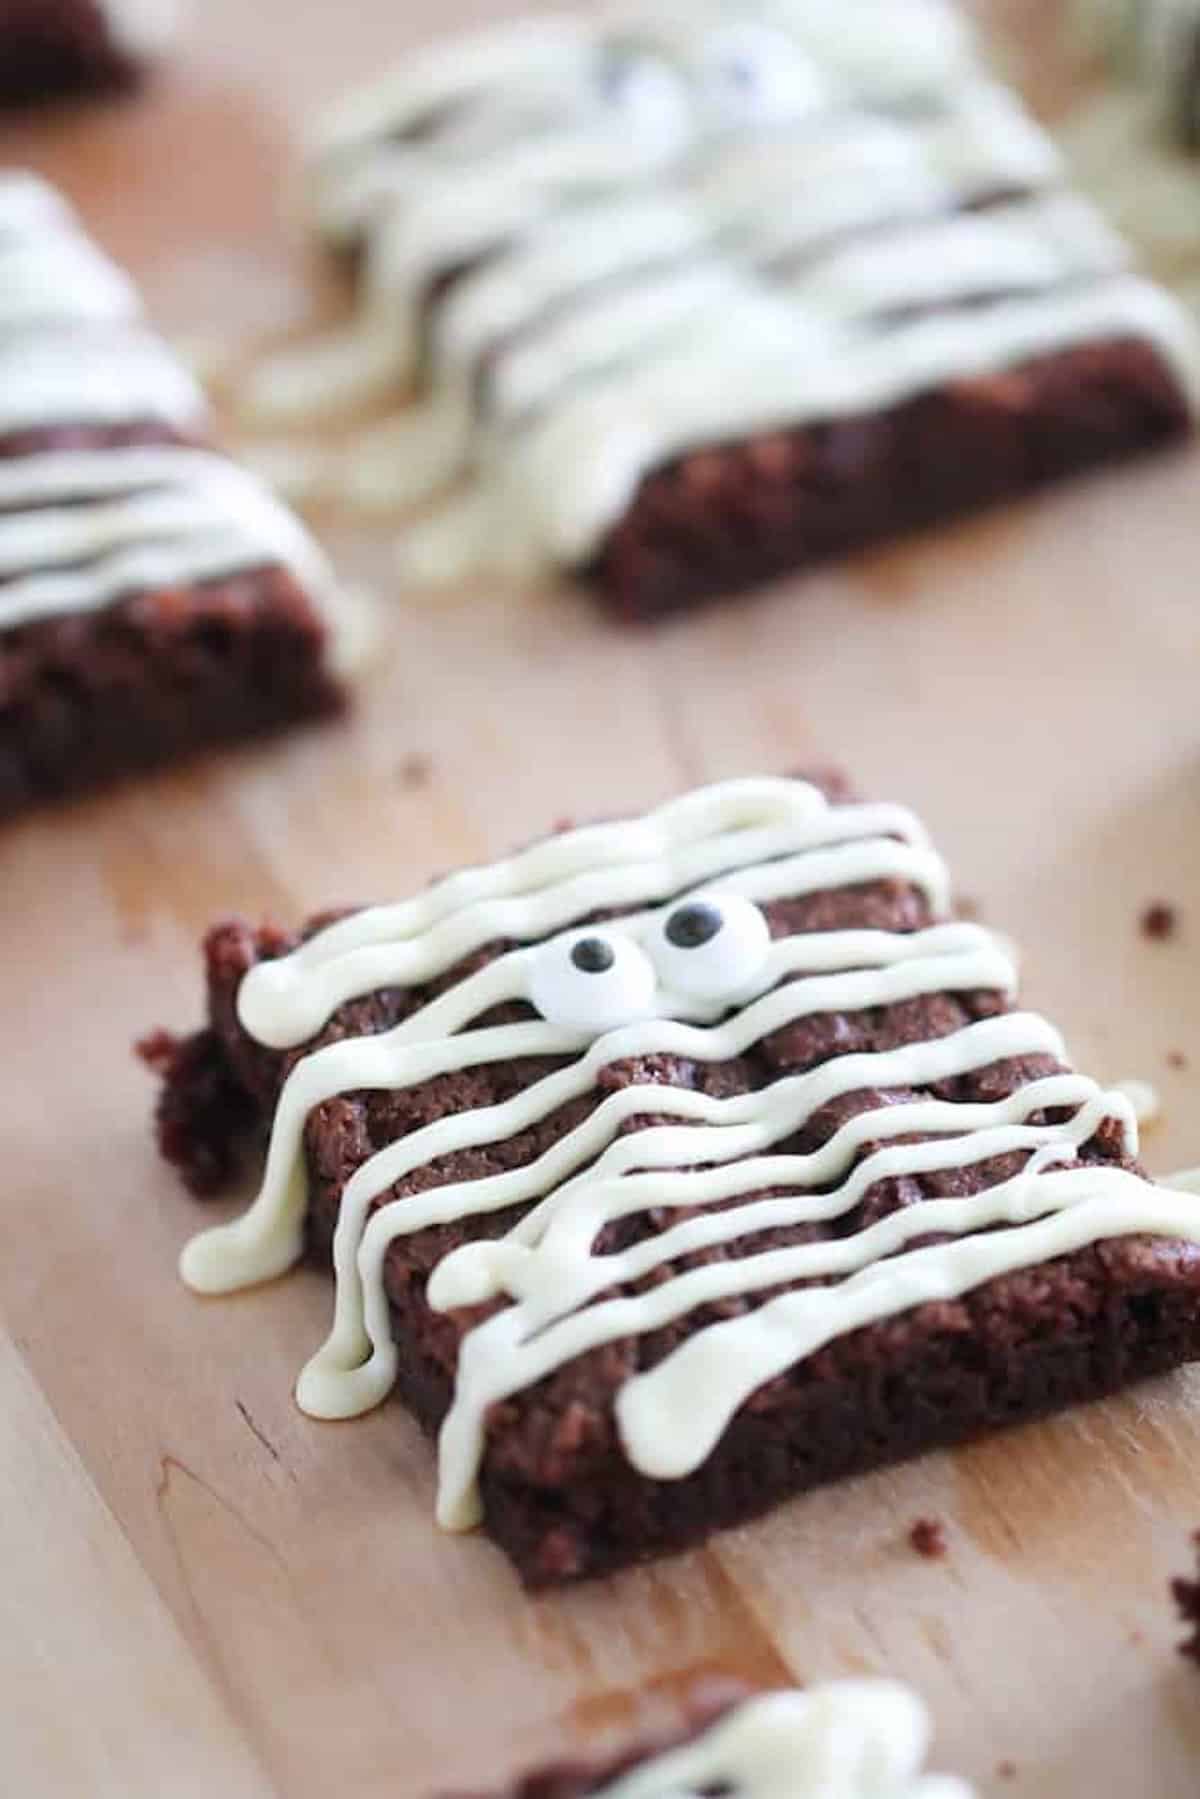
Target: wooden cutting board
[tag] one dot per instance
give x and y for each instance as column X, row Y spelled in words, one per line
column 204, row 1592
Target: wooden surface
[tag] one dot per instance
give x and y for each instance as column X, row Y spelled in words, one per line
column 201, row 1590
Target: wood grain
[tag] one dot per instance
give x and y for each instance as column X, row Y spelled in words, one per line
column 203, row 1591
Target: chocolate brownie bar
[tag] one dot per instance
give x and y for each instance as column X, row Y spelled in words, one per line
column 693, row 300
column 675, row 1166
column 154, row 598
column 860, row 1739
column 54, row 47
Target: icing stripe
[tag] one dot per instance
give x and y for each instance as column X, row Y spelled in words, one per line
column 122, row 377
column 154, row 518
column 59, row 275
column 725, row 1168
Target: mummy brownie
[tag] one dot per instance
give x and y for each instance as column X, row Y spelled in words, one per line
column 851, row 1739
column 53, row 47
column 691, row 295
column 674, row 1166
column 153, row 596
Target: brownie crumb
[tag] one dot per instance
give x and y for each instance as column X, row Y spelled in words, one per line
column 928, row 1538
column 1176, row 1059
column 203, row 1116
column 1159, row 921
column 414, row 770
column 1186, row 1594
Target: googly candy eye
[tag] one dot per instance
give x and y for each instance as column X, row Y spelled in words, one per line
column 710, row 946
column 651, row 98
column 755, row 74
column 592, row 981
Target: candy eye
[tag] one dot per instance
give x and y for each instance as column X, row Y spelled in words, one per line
column 651, row 97
column 712, row 946
column 592, row 982
column 754, row 74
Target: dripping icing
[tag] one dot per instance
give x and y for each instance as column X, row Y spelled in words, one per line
column 853, row 1739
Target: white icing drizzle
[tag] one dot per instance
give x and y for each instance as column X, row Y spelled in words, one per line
column 695, row 869
column 52, row 272
column 83, row 527
column 687, row 225
column 62, row 377
column 74, row 348
column 143, row 28
column 848, row 1739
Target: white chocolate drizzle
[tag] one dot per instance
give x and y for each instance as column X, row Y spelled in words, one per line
column 680, row 878
column 82, row 527
column 594, row 246
column 143, row 28
column 848, row 1739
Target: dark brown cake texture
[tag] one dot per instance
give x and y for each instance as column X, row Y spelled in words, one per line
column 52, row 48
column 558, row 1491
column 142, row 662
column 911, row 319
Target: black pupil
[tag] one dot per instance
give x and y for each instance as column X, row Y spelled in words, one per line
column 691, row 926
column 592, row 955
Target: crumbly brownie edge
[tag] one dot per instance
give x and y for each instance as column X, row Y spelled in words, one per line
column 727, row 517
column 1121, row 1311
column 88, row 697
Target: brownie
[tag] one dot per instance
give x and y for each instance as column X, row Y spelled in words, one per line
column 851, row 1735
column 561, row 1489
column 51, row 48
column 692, row 303
column 154, row 599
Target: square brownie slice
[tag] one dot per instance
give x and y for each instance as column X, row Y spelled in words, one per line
column 704, row 295
column 860, row 1739
column 51, row 48
column 674, row 1166
column 154, row 597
